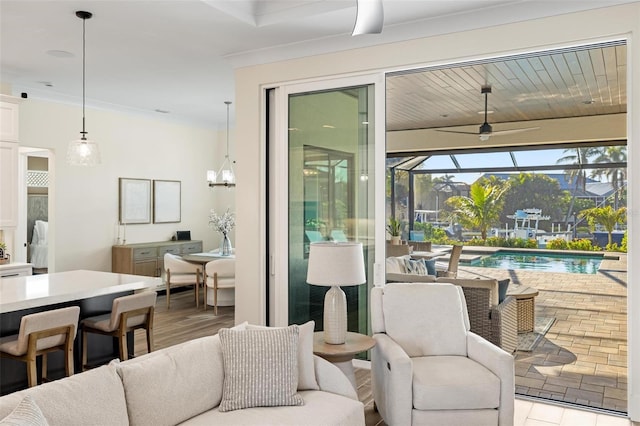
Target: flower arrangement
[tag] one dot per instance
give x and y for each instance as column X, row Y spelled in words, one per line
column 222, row 224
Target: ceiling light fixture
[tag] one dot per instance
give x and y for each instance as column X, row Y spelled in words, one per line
column 83, row 152
column 369, row 17
column 224, row 176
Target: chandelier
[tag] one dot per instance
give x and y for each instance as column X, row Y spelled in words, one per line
column 225, row 175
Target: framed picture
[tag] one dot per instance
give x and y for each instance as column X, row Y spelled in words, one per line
column 135, row 201
column 166, row 201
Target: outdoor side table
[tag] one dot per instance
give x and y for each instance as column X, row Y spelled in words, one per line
column 525, row 299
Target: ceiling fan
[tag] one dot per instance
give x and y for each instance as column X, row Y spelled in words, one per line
column 486, row 130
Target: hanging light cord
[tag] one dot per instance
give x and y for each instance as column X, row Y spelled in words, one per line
column 228, row 103
column 84, row 66
column 84, row 43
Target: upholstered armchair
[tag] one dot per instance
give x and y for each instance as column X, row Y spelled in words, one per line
column 427, row 368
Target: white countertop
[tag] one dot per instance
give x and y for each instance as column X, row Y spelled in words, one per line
column 18, row 293
column 14, row 265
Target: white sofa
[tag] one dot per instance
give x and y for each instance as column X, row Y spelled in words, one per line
column 182, row 384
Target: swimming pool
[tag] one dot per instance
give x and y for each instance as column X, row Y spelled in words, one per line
column 547, row 262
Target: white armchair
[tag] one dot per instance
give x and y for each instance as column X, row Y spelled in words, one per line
column 427, row 368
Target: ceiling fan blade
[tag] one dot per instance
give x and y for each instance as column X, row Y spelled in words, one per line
column 456, row 131
column 369, row 18
column 512, row 131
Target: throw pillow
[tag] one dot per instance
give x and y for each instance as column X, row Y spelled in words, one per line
column 503, row 285
column 306, row 368
column 27, row 413
column 430, row 264
column 260, row 368
column 415, row 267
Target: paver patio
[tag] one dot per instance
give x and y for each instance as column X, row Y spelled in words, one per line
column 582, row 359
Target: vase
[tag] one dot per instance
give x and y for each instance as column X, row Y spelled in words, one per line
column 395, row 240
column 225, row 245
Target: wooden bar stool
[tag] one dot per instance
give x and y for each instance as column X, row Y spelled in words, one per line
column 128, row 313
column 39, row 334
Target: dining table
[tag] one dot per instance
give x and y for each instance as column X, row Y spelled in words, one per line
column 226, row 296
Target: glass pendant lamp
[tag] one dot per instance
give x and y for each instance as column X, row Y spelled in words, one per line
column 225, row 175
column 83, row 152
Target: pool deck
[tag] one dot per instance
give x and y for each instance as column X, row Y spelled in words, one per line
column 583, row 357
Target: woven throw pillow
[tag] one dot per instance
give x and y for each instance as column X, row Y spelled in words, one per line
column 306, row 368
column 260, row 368
column 416, row 267
column 27, row 413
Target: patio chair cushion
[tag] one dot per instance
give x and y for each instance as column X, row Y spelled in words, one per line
column 453, row 382
column 430, row 264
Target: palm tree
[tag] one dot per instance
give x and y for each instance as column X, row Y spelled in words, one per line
column 481, row 209
column 605, row 216
column 578, row 156
column 617, row 176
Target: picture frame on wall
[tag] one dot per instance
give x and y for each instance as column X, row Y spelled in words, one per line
column 166, row 201
column 135, row 201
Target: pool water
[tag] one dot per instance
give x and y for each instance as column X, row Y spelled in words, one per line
column 541, row 262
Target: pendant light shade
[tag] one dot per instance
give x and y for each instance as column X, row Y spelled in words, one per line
column 83, row 152
column 225, row 175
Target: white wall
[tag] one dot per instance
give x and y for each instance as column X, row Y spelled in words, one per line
column 84, row 201
column 569, row 29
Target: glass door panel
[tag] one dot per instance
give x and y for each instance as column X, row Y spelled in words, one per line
column 330, row 197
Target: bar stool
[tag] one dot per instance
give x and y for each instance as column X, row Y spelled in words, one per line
column 39, row 334
column 128, row 313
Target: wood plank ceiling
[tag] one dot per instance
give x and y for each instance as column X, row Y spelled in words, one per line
column 573, row 82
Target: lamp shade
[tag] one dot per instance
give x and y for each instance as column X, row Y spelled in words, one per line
column 336, row 264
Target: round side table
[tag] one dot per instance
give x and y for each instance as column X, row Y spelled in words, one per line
column 342, row 355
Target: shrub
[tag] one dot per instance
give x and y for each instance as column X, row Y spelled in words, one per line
column 557, row 244
column 582, row 244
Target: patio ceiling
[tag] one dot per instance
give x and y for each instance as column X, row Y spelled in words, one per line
column 571, row 95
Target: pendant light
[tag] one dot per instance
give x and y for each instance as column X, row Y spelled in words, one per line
column 225, row 175
column 83, row 152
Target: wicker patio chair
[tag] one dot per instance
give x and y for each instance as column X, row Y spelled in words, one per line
column 496, row 322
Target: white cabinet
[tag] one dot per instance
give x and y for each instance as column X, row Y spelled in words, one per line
column 15, row 270
column 9, row 118
column 8, row 161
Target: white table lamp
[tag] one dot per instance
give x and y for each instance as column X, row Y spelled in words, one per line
column 334, row 264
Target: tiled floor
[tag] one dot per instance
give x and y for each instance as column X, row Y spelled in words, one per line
column 582, row 358
column 528, row 413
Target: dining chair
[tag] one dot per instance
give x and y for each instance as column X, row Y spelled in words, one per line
column 128, row 313
column 39, row 334
column 180, row 273
column 219, row 274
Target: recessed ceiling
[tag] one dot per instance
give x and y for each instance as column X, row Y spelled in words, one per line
column 179, row 55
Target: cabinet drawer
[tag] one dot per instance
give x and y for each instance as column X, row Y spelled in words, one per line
column 173, row 249
column 144, row 253
column 191, row 248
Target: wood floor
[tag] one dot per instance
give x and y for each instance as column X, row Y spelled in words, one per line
column 184, row 322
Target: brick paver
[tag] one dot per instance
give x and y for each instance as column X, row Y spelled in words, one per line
column 583, row 357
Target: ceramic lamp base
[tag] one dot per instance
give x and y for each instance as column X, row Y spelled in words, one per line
column 335, row 316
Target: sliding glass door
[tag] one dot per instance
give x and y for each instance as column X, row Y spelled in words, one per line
column 330, row 157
